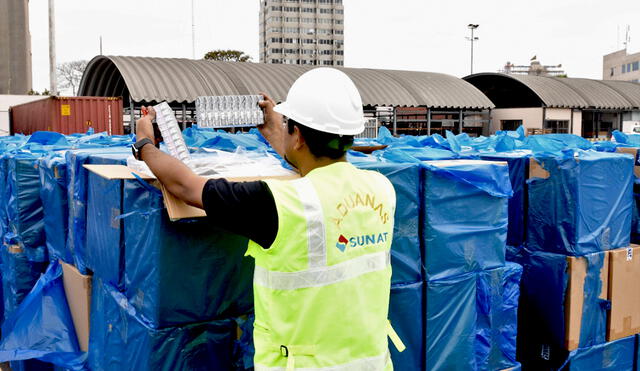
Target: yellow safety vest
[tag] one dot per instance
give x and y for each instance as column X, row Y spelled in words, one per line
column 322, row 288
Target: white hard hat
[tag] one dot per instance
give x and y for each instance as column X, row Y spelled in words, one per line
column 325, row 99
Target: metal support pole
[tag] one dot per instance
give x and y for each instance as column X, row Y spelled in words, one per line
column 395, row 122
column 460, row 118
column 184, row 116
column 132, row 119
column 53, row 89
column 428, row 121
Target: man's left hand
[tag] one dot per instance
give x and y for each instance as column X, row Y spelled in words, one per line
column 144, row 126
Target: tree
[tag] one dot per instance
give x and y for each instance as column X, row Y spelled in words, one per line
column 227, row 55
column 70, row 74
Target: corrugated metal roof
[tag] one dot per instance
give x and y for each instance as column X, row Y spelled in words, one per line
column 182, row 80
column 629, row 90
column 577, row 92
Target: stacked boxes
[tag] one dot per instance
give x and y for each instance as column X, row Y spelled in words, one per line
column 578, row 220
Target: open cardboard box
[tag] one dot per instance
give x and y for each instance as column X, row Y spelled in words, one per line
column 176, row 208
column 624, row 292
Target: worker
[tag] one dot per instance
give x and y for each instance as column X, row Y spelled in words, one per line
column 321, row 242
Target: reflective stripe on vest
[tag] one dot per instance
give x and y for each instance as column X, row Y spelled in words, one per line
column 318, row 274
column 362, row 364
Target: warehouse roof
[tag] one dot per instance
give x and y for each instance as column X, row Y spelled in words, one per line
column 182, row 80
column 558, row 92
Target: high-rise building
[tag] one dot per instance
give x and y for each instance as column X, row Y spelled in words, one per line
column 15, row 47
column 308, row 32
column 621, row 66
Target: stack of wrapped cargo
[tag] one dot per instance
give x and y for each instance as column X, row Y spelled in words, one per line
column 454, row 300
column 577, row 306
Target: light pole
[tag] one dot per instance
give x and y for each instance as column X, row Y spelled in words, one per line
column 473, row 39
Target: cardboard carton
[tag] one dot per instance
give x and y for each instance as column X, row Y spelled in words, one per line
column 77, row 288
column 574, row 296
column 633, row 151
column 624, row 293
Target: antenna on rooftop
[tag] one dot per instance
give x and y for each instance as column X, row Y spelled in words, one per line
column 627, row 37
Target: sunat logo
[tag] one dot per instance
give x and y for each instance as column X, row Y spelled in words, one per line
column 342, row 243
column 361, row 241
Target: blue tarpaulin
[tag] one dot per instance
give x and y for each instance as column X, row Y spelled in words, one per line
column 19, row 275
column 618, row 355
column 498, row 292
column 77, row 195
column 53, row 194
column 41, row 328
column 121, row 341
column 584, row 206
column 451, row 323
column 518, row 163
column 465, row 221
column 542, row 315
column 406, row 257
column 406, row 308
column 184, row 271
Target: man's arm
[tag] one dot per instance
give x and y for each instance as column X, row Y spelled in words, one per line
column 273, row 128
column 175, row 176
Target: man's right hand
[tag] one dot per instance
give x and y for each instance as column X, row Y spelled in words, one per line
column 273, row 127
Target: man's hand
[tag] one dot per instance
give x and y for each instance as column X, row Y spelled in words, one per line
column 144, row 126
column 273, row 127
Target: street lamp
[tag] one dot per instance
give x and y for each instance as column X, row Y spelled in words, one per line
column 473, row 39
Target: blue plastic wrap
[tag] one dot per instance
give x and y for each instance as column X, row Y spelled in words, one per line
column 498, row 292
column 77, row 195
column 19, row 275
column 405, row 249
column 24, row 207
column 120, row 341
column 53, row 194
column 42, row 328
column 243, row 349
column 542, row 306
column 451, row 323
column 184, row 271
column 465, row 222
column 208, row 138
column 518, row 163
column 584, row 205
column 618, row 355
column 555, row 143
column 406, row 308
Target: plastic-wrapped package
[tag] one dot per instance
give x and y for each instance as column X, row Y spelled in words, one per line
column 406, row 308
column 53, row 194
column 406, row 254
column 171, row 134
column 465, row 221
column 229, row 111
column 518, row 162
column 121, row 341
column 618, row 355
column 184, row 271
column 498, row 292
column 42, row 328
column 197, row 138
column 451, row 323
column 77, row 195
column 544, row 317
column 583, row 205
column 19, row 275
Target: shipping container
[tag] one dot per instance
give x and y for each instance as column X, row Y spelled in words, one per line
column 68, row 115
column 7, row 101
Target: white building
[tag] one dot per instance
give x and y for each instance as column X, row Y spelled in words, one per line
column 307, row 32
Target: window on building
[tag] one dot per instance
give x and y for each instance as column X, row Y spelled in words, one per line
column 276, row 8
column 339, row 32
column 339, row 21
column 510, row 125
column 326, row 11
column 339, row 11
column 624, row 68
column 275, row 61
column 612, row 71
column 339, row 52
column 340, row 63
column 635, row 66
column 337, row 1
column 276, row 50
column 308, row 10
column 327, row 63
column 275, row 29
column 276, row 39
column 557, row 126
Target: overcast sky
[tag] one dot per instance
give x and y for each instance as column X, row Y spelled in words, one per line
column 399, row 34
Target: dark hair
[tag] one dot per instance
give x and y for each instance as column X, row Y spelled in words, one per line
column 322, row 144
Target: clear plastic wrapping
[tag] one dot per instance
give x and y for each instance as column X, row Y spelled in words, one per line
column 229, row 111
column 171, row 134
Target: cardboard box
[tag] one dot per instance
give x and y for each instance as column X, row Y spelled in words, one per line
column 176, row 208
column 633, row 151
column 536, row 170
column 77, row 288
column 574, row 296
column 624, row 293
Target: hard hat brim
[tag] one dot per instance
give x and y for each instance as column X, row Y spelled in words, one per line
column 284, row 109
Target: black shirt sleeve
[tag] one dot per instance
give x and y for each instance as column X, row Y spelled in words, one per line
column 244, row 208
